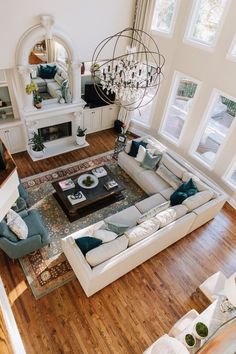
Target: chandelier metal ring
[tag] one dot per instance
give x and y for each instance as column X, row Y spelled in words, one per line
column 133, row 77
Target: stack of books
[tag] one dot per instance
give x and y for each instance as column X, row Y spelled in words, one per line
column 76, row 197
column 99, row 172
column 110, row 184
column 66, row 184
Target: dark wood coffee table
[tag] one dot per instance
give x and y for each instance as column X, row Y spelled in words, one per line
column 96, row 198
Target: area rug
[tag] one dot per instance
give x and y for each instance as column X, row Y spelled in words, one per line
column 48, row 268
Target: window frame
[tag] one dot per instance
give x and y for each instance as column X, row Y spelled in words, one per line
column 172, row 24
column 229, row 56
column 229, row 170
column 206, row 116
column 172, row 93
column 188, row 36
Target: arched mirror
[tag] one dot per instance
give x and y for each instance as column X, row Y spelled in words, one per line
column 48, row 61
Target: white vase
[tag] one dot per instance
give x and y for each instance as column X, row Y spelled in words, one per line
column 37, row 154
column 80, row 140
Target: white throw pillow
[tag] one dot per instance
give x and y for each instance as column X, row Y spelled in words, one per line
column 142, row 231
column 198, row 199
column 168, row 176
column 153, row 212
column 173, row 166
column 107, row 250
column 105, row 235
column 17, row 225
column 171, row 214
column 141, row 154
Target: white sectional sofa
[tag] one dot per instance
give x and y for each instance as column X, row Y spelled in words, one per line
column 152, row 224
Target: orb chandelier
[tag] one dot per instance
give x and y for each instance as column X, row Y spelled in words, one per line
column 130, row 78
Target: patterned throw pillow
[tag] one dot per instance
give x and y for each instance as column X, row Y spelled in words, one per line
column 150, row 161
column 17, row 225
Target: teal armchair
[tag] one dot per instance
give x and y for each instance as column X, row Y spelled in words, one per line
column 37, row 237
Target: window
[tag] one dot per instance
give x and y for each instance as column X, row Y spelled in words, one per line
column 219, row 120
column 143, row 115
column 230, row 177
column 206, row 21
column 164, row 16
column 179, row 104
column 232, row 51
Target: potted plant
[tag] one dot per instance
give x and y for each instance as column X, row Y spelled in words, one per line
column 200, row 330
column 37, row 145
column 37, row 99
column 190, row 340
column 80, row 136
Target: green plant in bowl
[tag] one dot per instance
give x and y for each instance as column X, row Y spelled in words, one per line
column 201, row 330
column 190, row 340
column 88, row 181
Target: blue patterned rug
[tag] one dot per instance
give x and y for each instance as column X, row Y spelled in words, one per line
column 48, row 268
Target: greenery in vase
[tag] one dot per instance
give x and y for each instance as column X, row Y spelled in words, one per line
column 190, row 340
column 80, row 131
column 37, row 142
column 33, row 88
column 201, row 329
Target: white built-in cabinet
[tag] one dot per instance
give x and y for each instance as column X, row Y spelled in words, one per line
column 100, row 118
column 13, row 137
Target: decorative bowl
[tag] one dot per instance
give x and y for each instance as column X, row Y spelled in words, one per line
column 88, row 181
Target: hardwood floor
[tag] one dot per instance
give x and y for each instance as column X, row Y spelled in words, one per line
column 98, row 143
column 132, row 312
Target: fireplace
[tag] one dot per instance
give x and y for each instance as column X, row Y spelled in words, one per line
column 55, row 132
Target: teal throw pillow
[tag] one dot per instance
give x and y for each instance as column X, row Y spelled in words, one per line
column 183, row 192
column 47, row 71
column 150, row 162
column 135, row 146
column 87, row 243
column 117, row 228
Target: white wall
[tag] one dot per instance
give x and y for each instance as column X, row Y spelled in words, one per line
column 87, row 22
column 212, row 69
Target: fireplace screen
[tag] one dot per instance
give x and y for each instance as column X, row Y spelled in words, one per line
column 55, row 132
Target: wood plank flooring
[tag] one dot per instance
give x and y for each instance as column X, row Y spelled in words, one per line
column 131, row 313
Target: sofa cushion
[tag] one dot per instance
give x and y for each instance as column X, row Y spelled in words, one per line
column 153, row 212
column 87, row 243
column 150, row 161
column 198, row 199
column 168, row 176
column 150, row 202
column 17, row 225
column 201, row 186
column 135, row 146
column 40, row 82
column 6, row 232
column 106, row 251
column 184, row 191
column 127, row 217
column 105, row 235
column 166, row 193
column 173, row 166
column 171, row 214
column 151, row 182
column 142, row 231
column 134, row 167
